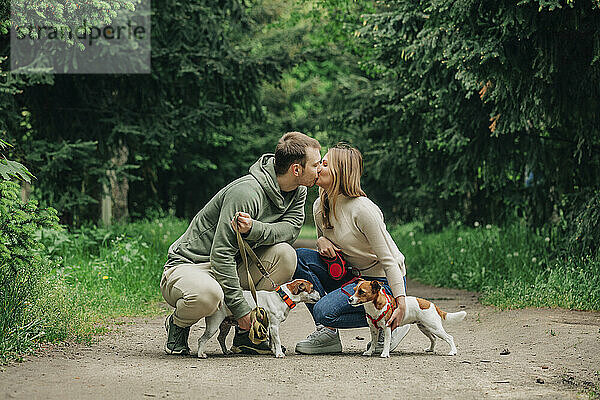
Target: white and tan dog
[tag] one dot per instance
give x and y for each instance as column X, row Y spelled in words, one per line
column 379, row 307
column 277, row 305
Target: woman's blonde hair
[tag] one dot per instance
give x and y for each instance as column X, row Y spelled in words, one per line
column 346, row 167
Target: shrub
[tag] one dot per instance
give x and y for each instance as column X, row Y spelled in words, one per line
column 512, row 266
column 22, row 266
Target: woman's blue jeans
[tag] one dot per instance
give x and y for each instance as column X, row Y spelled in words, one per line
column 333, row 309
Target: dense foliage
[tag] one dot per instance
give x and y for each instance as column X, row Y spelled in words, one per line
column 152, row 139
column 11, row 169
column 474, row 110
column 465, row 110
column 22, row 266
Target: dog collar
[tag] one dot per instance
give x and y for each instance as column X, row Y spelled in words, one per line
column 391, row 304
column 290, row 303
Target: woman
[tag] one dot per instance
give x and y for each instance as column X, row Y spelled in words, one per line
column 348, row 222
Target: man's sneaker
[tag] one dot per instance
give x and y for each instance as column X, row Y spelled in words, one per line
column 177, row 338
column 397, row 336
column 243, row 344
column 321, row 341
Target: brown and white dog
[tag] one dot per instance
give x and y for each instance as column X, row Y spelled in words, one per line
column 277, row 304
column 379, row 307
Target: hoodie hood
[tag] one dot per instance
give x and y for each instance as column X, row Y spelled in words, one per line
column 264, row 172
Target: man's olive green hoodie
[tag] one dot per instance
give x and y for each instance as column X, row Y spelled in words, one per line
column 276, row 217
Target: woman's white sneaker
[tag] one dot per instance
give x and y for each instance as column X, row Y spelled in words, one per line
column 321, row 341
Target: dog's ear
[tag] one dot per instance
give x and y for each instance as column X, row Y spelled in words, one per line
column 358, row 282
column 309, row 287
column 301, row 287
column 293, row 286
column 375, row 286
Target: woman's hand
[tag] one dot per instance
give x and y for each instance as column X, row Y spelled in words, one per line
column 398, row 314
column 326, row 248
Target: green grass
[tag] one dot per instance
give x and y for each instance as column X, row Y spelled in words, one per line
column 115, row 271
column 572, row 283
column 511, row 266
column 308, row 232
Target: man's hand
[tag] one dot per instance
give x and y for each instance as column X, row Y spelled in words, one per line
column 398, row 314
column 244, row 322
column 326, row 248
column 244, row 222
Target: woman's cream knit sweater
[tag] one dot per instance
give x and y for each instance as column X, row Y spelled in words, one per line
column 359, row 230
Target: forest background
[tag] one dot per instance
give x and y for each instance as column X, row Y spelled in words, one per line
column 479, row 124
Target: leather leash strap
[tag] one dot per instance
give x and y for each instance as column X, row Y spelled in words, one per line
column 245, row 251
column 259, row 320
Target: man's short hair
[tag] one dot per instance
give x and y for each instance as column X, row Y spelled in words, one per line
column 292, row 149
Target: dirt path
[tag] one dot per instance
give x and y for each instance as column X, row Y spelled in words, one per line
column 559, row 349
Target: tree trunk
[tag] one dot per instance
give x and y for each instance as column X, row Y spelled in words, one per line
column 25, row 192
column 106, row 205
column 114, row 202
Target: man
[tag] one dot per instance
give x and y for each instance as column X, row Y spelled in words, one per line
column 202, row 269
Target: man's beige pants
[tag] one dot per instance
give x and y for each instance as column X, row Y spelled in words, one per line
column 195, row 294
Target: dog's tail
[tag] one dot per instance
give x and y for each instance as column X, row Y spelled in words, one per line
column 452, row 317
